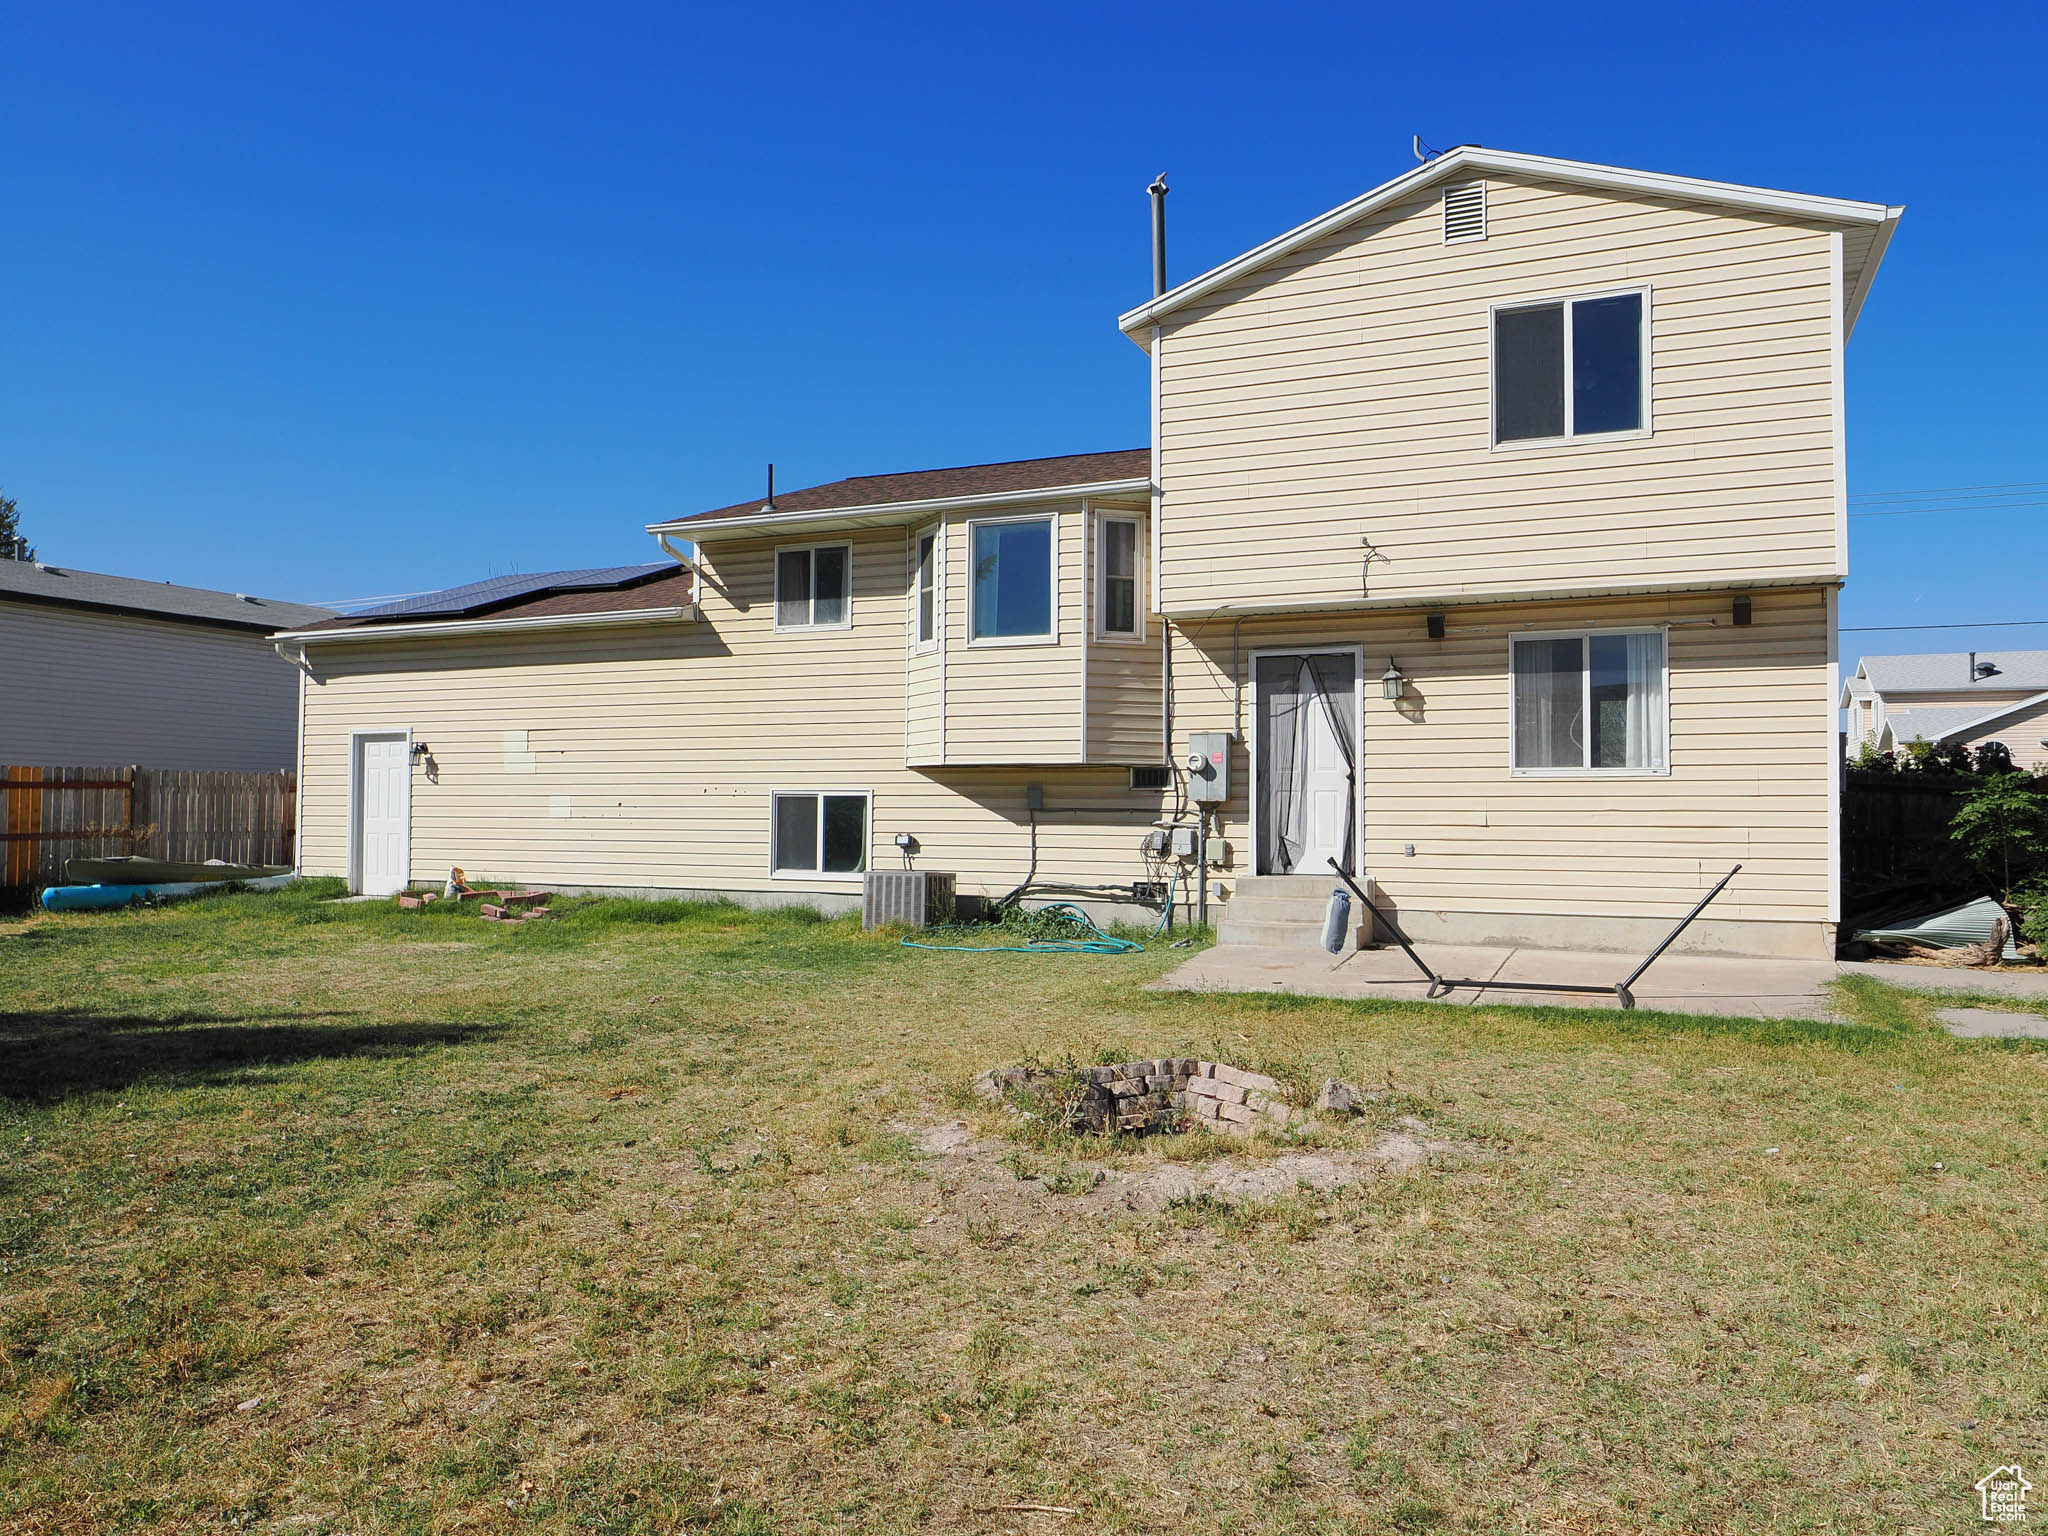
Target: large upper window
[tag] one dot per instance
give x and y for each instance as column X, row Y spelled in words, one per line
column 819, row 834
column 1011, row 597
column 1590, row 703
column 1573, row 368
column 1116, row 577
column 924, row 590
column 811, row 587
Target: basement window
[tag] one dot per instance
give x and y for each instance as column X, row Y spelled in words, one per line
column 1571, row 368
column 1592, row 702
column 813, row 587
column 819, row 834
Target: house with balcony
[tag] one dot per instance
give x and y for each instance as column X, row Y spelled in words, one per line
column 1487, row 546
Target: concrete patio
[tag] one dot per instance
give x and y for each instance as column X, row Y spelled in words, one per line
column 1709, row 984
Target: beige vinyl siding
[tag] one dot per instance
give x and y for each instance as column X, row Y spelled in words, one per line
column 1345, row 394
column 1015, row 703
column 1751, row 749
column 85, row 687
column 1124, row 714
column 654, row 750
column 2024, row 733
column 924, row 740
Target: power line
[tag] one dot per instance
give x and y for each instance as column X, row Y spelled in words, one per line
column 1859, row 629
column 1952, row 490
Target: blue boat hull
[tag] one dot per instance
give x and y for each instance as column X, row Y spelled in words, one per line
column 96, row 898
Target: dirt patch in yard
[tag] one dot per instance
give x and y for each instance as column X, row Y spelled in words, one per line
column 971, row 1164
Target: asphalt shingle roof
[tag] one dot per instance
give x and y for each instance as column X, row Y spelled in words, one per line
column 46, row 582
column 1949, row 672
column 944, row 484
column 650, row 587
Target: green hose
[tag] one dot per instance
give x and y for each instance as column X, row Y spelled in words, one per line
column 1081, row 937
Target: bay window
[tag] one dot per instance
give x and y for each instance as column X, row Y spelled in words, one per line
column 1010, row 590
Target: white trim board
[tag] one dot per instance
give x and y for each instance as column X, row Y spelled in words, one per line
column 887, row 513
column 456, row 627
column 1471, row 159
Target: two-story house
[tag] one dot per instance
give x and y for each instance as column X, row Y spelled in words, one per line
column 1969, row 698
column 1497, row 517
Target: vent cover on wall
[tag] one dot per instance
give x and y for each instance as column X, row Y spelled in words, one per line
column 1465, row 213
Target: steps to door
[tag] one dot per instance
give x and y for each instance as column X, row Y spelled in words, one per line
column 1285, row 912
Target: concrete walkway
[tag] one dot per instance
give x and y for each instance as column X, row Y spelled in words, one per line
column 1712, row 984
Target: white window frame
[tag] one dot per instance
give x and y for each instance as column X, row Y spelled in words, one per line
column 775, row 586
column 1574, row 439
column 1052, row 636
column 919, row 643
column 866, row 796
column 1587, row 635
column 1102, row 631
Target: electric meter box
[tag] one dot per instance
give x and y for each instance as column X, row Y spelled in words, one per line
column 1209, row 766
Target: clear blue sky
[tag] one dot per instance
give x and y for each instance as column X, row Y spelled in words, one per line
column 330, row 301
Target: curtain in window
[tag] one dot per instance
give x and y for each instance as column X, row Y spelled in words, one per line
column 1645, row 701
column 1549, row 699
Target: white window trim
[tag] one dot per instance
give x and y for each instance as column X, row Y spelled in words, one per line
column 775, row 586
column 996, row 642
column 934, row 532
column 1570, row 438
column 1100, row 581
column 868, row 814
column 1662, row 771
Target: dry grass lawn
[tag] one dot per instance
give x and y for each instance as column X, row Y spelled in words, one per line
column 330, row 1219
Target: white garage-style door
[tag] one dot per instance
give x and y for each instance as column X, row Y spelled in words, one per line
column 380, row 859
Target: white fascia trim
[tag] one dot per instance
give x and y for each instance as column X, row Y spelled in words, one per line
column 1879, row 245
column 1997, row 714
column 451, row 627
column 1474, row 598
column 1577, row 172
column 892, row 510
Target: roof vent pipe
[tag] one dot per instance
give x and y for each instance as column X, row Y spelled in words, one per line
column 770, row 507
column 1158, row 191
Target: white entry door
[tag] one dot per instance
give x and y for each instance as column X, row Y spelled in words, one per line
column 382, row 856
column 1304, row 782
column 1327, row 790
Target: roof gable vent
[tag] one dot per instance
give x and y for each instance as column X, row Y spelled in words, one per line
column 1465, row 213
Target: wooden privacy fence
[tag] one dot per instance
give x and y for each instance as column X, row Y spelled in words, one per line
column 49, row 816
column 1895, row 840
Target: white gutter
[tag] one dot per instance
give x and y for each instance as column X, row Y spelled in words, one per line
column 451, row 628
column 1420, row 601
column 1832, row 210
column 689, row 528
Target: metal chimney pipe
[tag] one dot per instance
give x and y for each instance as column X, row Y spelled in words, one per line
column 1158, row 191
column 1973, row 666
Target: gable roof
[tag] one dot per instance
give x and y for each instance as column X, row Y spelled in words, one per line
column 1949, row 672
column 563, row 596
column 1878, row 219
column 1961, row 720
column 42, row 582
column 899, row 495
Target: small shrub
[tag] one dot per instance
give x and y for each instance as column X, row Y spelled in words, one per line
column 2002, row 823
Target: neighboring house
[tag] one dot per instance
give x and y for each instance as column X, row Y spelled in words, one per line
column 1498, row 516
column 1967, row 697
column 105, row 670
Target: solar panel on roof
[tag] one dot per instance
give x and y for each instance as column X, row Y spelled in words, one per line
column 497, row 590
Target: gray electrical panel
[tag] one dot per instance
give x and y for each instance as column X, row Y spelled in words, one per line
column 1209, row 766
